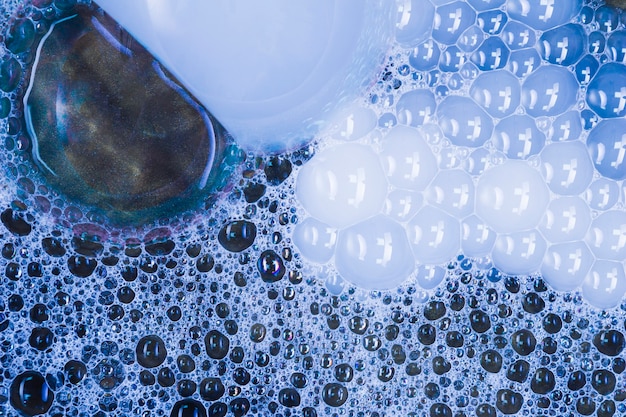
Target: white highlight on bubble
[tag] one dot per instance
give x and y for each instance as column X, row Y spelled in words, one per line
column 452, row 190
column 565, row 265
column 520, row 252
column 477, row 238
column 566, row 219
column 605, row 284
column 567, row 167
column 607, row 235
column 316, row 240
column 434, row 235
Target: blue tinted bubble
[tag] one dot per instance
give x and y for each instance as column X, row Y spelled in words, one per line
column 477, row 161
column 586, row 15
column 549, row 91
column 415, row 22
column 563, row 45
column 602, row 194
column 607, row 18
column 452, row 59
column 543, row 14
column 589, row 119
column 586, row 69
column 519, row 253
column 606, row 94
column 469, row 71
column 463, row 122
column 566, row 167
column 498, row 92
column 518, row 137
column 523, row 62
column 596, row 43
column 387, row 120
column 492, row 54
column 471, row 38
column 567, row 126
column 416, row 107
column 442, row 91
column 455, row 82
column 451, row 20
column 492, row 22
column 616, row 45
column 425, row 56
column 607, row 147
column 433, row 78
column 517, row 35
column 485, row 4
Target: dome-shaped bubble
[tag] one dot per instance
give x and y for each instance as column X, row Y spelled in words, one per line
column 566, row 127
column 511, row 197
column 471, row 38
column 452, row 190
column 607, row 235
column 342, row 185
column 415, row 21
column 451, row 20
column 549, row 91
column 434, row 235
column 607, row 18
column 597, row 42
column 477, row 239
column 352, row 123
column 463, row 122
column 416, row 107
column 602, row 194
column 498, row 92
column 401, row 205
column 476, row 162
column 425, row 56
column 563, row 45
column 606, row 93
column 607, row 145
column 315, row 240
column 517, row 35
column 523, row 62
column 492, row 21
column 519, row 253
column 565, row 265
column 430, row 276
column 518, row 137
column 492, row 54
column 566, row 167
column 452, row 59
column 485, row 4
column 566, row 219
column 374, row 254
column 616, row 45
column 543, row 14
column 586, row 69
column 589, row 119
column 407, row 159
column 605, row 284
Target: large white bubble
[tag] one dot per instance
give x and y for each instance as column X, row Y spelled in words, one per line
column 434, row 235
column 565, row 265
column 520, row 252
column 605, row 284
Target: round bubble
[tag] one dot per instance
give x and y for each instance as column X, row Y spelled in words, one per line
column 342, row 185
column 523, row 62
column 434, row 235
column 401, row 205
column 607, row 235
column 549, row 91
column 452, row 59
column 607, row 18
column 315, row 240
column 518, row 137
column 565, row 265
column 416, row 107
column 519, row 253
column 566, row 219
column 616, row 45
column 452, row 190
column 485, row 4
column 498, row 92
column 567, row 126
column 374, row 254
column 492, row 21
column 407, row 159
column 430, row 276
column 586, row 69
column 606, row 93
column 511, row 197
column 492, row 54
column 476, row 162
column 597, row 42
column 607, row 146
column 471, row 38
column 425, row 56
column 517, row 35
column 563, row 45
column 602, row 194
column 543, row 14
column 605, row 284
column 352, row 123
column 415, row 21
column 451, row 20
column 589, row 119
column 477, row 238
column 566, row 167
column 463, row 122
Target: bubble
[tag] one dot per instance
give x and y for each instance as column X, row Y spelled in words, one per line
column 519, row 252
column 567, row 126
column 271, row 266
column 491, row 55
column 415, row 22
column 616, row 44
column 451, row 20
column 498, row 92
column 471, row 38
column 523, row 62
column 492, row 21
column 452, row 191
column 217, row 344
column 463, row 122
column 606, row 93
column 374, row 254
column 237, row 236
column 429, row 276
column 544, row 14
column 602, row 194
column 188, row 408
column 597, row 42
column 607, row 146
column 609, row 342
column 605, row 284
column 563, row 45
column 566, row 219
column 151, row 351
column 607, row 18
column 345, row 184
column 352, row 123
column 565, row 265
column 416, row 107
column 518, row 137
column 566, row 167
column 516, row 35
column 316, row 240
column 425, row 56
column 549, row 91
column 401, row 205
column 452, row 59
column 434, row 236
column 607, row 235
column 477, row 239
column 508, row 401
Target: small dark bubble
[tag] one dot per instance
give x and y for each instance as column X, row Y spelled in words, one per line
column 334, row 394
column 205, row 263
column 30, row 394
column 549, row 345
column 479, row 320
column 81, row 266
column 212, row 389
column 75, row 371
column 218, row 409
column 426, row 334
column 166, row 377
column 237, row 354
column 15, row 302
column 441, row 365
column 289, row 397
column 299, row 380
column 358, row 324
column 603, row 381
column 193, row 250
column 619, row 365
column 53, row 247
column 343, row 372
column 39, row 313
column 174, row 313
column 533, row 303
column 454, row 339
column 434, row 310
column 257, row 332
column 518, row 371
column 491, row 361
column 457, row 302
column 239, row 407
column 189, row 408
column 431, row 390
column 231, row 327
column 512, row 285
column 237, row 235
column 270, row 266
column 277, row 170
column 14, row 222
column 523, row 342
column 217, row 344
column 609, row 342
column 151, row 351
column 552, row 323
column 606, row 409
column 440, row 410
column 508, row 401
column 485, row 410
column 253, row 191
column 543, row 381
column 585, row 406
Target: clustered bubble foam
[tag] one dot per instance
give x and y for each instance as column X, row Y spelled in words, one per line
column 482, row 151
